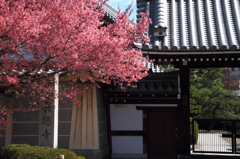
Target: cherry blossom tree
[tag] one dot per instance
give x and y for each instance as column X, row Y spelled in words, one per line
column 41, row 38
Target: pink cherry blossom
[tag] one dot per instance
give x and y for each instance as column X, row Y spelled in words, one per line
column 41, row 38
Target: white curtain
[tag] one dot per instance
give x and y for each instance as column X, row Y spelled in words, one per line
column 84, row 122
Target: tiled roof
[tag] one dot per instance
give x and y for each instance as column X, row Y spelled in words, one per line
column 192, row 25
column 111, row 12
column 154, row 82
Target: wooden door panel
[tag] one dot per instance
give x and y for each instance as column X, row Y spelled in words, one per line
column 161, row 134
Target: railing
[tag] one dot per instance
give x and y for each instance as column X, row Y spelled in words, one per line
column 217, row 136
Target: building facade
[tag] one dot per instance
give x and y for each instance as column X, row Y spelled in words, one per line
column 150, row 120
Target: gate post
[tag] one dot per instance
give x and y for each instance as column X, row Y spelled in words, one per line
column 234, row 147
column 184, row 113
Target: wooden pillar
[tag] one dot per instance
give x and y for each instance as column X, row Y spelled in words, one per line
column 184, row 114
column 8, row 134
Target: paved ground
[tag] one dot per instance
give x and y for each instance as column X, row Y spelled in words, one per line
column 212, row 142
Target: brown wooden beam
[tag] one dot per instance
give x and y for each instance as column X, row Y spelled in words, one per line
column 145, row 101
column 199, row 60
column 128, row 133
column 184, row 113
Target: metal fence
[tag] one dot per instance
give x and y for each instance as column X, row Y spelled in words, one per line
column 217, row 136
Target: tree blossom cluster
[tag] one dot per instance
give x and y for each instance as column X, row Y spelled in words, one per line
column 4, row 112
column 41, row 38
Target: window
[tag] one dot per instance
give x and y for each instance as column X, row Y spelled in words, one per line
column 235, row 77
column 235, row 69
column 225, row 78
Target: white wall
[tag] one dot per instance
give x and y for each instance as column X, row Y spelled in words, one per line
column 125, row 117
column 127, row 144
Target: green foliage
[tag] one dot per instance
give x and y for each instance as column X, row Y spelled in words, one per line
column 208, row 97
column 168, row 68
column 81, row 157
column 195, row 132
column 25, row 151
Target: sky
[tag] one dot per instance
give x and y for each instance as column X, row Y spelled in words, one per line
column 123, row 5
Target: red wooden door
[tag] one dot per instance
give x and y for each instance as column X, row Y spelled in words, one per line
column 161, row 134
